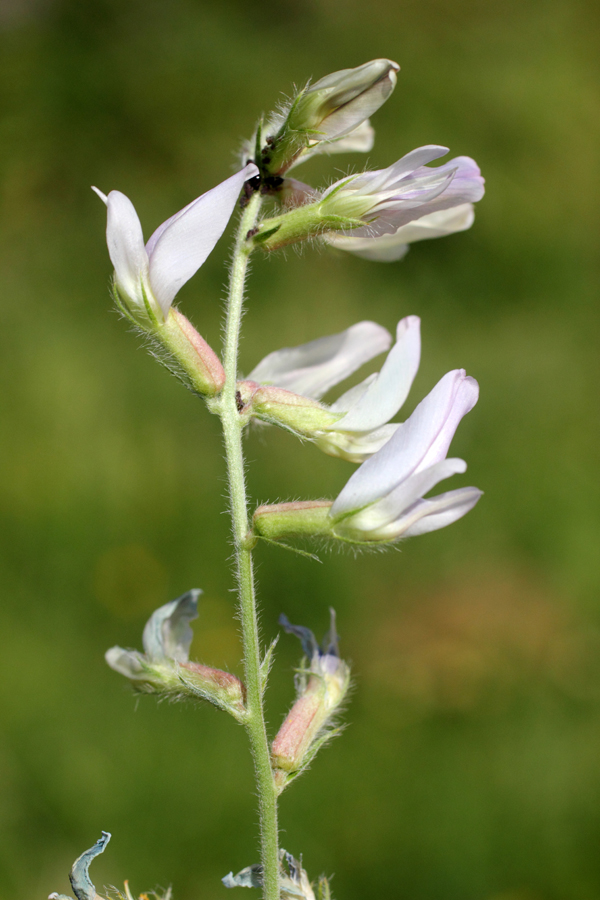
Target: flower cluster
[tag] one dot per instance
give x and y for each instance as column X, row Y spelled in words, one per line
column 374, row 214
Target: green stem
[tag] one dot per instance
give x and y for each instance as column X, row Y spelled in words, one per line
column 232, row 431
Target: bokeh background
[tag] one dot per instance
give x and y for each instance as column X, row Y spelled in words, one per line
column 471, row 764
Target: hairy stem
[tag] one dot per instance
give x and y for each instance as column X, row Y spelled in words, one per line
column 232, row 430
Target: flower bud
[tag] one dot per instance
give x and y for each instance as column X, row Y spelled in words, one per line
column 164, row 667
column 321, row 689
column 328, row 110
column 338, row 103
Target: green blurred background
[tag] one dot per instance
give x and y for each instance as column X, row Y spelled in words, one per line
column 471, row 765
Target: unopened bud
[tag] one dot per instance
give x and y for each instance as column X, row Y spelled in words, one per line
column 321, row 689
column 338, row 103
column 328, row 110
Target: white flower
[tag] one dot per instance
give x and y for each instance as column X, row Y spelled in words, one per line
column 354, row 427
column 392, row 247
column 383, row 500
column 387, row 199
column 148, row 277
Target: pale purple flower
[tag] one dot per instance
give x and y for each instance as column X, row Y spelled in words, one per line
column 387, row 199
column 147, row 277
column 383, row 500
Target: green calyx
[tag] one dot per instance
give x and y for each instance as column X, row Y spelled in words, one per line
column 308, row 221
column 297, row 519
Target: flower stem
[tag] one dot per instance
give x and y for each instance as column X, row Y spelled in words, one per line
column 232, row 431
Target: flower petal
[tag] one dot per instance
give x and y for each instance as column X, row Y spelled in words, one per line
column 463, row 401
column 430, row 428
column 382, row 516
column 387, row 393
column 380, row 179
column 125, row 662
column 385, row 248
column 180, row 245
column 79, row 874
column 467, row 186
column 348, row 117
column 313, row 368
column 167, row 634
column 354, row 448
column 360, row 140
column 125, row 244
column 351, row 397
column 393, row 247
column 429, row 515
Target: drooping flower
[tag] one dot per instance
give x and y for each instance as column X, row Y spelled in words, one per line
column 375, row 203
column 164, row 667
column 285, row 386
column 393, row 247
column 294, row 883
column 387, row 199
column 384, row 500
column 147, row 277
column 321, row 689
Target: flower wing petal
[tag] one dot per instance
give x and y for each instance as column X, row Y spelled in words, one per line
column 383, row 515
column 393, row 247
column 125, row 242
column 313, row 368
column 180, row 245
column 429, row 515
column 410, row 444
column 387, row 393
column 167, row 634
